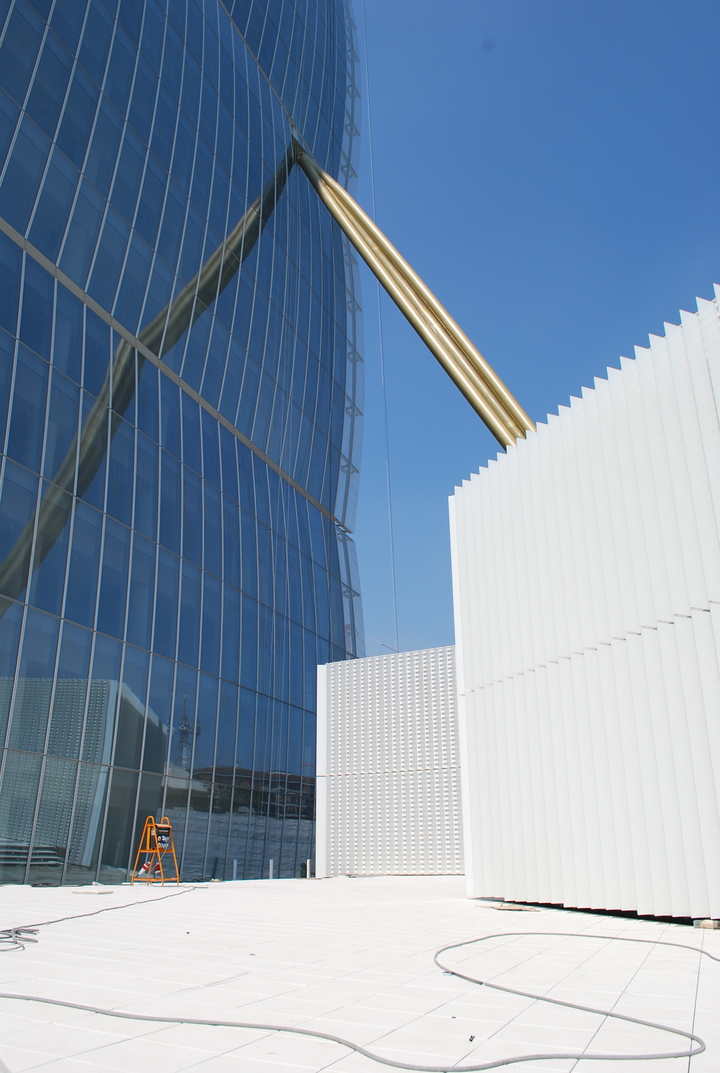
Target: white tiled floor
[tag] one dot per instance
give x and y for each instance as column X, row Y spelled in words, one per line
column 352, row 958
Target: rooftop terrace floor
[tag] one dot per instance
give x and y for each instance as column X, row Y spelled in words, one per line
column 348, row 957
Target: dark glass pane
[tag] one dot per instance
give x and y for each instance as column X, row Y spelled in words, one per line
column 94, row 494
column 120, row 473
column 212, row 543
column 128, row 176
column 152, row 35
column 130, row 18
column 120, row 71
column 142, row 586
column 109, row 260
column 86, row 830
column 37, row 309
column 82, row 234
column 143, row 99
column 51, row 215
column 161, row 692
column 111, row 606
column 231, row 542
column 102, row 157
column 248, row 655
column 119, row 827
column 78, row 119
column 149, row 208
column 67, row 22
column 211, row 612
column 28, row 410
column 68, row 714
column 28, row 720
column 146, row 487
column 172, row 225
column 147, row 401
column 192, row 517
column 230, row 668
column 131, row 709
column 19, row 51
column 166, row 603
column 169, row 501
column 22, row 178
column 10, row 260
column 205, row 728
column 97, row 353
column 67, row 348
column 96, row 40
column 49, row 84
column 211, row 455
column 133, row 286
column 170, row 416
column 191, row 433
column 164, row 127
column 48, row 582
column 84, row 565
column 189, row 635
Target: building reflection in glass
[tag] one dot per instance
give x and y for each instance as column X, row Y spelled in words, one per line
column 173, row 557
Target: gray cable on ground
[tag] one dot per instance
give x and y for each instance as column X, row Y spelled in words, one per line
column 447, row 1068
column 17, row 937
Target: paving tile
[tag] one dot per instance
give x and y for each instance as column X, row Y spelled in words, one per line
column 144, row 1054
column 306, row 1051
column 18, row 1059
column 60, row 1040
column 210, row 1038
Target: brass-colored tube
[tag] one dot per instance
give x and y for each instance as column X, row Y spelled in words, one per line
column 523, row 420
column 478, row 398
column 477, row 394
column 459, row 357
column 435, row 335
column 438, row 336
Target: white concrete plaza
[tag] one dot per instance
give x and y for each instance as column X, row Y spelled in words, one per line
column 349, row 957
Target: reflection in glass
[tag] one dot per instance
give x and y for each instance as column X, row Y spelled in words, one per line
column 86, row 453
column 146, row 547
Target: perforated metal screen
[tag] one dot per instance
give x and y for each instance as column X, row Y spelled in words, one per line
column 388, row 781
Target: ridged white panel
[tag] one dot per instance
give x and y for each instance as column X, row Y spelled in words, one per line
column 586, row 574
column 388, row 779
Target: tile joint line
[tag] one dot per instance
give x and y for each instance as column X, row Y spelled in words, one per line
column 134, row 342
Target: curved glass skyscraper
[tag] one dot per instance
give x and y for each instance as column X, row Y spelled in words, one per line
column 179, row 385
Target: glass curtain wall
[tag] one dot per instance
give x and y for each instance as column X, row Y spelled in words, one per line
column 179, row 424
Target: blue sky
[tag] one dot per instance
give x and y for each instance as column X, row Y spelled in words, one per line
column 552, row 170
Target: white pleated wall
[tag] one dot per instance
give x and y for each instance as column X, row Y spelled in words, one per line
column 586, row 569
column 388, row 785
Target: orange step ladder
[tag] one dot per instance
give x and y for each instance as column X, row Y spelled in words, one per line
column 156, row 843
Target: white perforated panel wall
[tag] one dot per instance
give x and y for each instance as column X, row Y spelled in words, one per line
column 388, row 793
column 587, row 613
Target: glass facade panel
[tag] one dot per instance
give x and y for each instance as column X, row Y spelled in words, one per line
column 179, row 429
